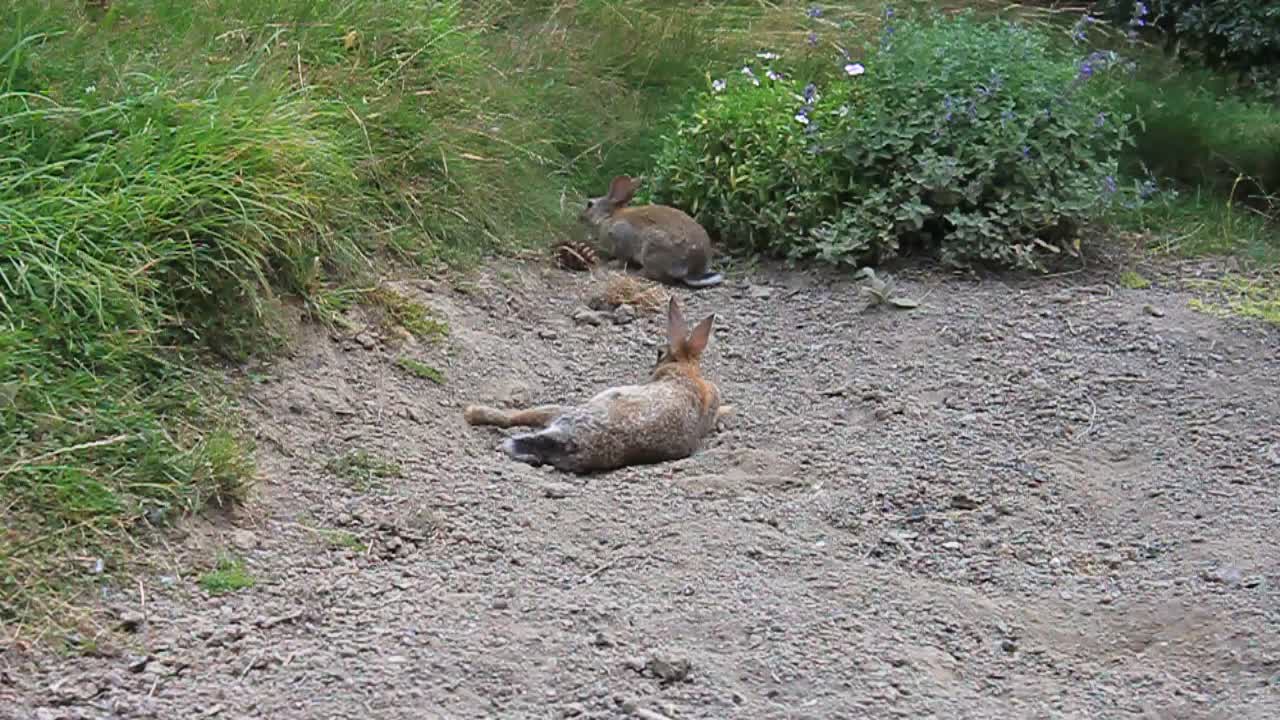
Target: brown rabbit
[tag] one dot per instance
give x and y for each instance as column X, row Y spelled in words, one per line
column 663, row 419
column 667, row 244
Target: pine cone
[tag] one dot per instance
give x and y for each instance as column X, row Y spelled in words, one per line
column 574, row 255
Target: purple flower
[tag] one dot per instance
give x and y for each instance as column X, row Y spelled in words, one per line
column 812, row 39
column 1147, row 189
column 1086, row 70
column 754, row 80
column 718, row 85
column 888, row 12
column 810, row 93
column 772, row 75
column 1100, row 120
column 1109, row 184
column 815, row 12
column 802, row 117
column 854, row 69
column 1026, row 152
column 1078, row 33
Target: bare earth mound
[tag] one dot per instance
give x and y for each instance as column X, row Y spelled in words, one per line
column 1013, row 502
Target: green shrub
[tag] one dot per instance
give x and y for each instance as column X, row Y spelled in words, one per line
column 1240, row 35
column 1197, row 133
column 971, row 139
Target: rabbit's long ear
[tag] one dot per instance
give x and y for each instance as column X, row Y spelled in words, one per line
column 621, row 190
column 677, row 331
column 700, row 336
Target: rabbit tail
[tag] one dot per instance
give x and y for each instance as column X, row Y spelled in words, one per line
column 538, row 448
column 710, row 279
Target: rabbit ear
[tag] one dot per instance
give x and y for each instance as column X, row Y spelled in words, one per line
column 700, row 336
column 677, row 331
column 621, row 190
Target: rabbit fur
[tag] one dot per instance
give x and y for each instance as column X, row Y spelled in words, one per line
column 667, row 244
column 663, row 419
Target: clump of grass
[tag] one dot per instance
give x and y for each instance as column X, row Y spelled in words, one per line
column 1200, row 222
column 342, row 539
column 624, row 289
column 420, row 370
column 407, row 313
column 1134, row 280
column 362, row 469
column 228, row 576
column 1256, row 298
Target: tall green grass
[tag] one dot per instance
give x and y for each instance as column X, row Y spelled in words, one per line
column 171, row 171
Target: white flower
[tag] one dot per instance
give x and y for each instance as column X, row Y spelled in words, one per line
column 802, row 118
column 773, row 75
column 844, row 110
column 718, row 85
column 767, row 56
column 854, row 69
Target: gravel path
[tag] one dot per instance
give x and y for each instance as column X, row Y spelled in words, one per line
column 1051, row 499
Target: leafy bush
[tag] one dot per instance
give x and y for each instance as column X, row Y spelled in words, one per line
column 969, row 138
column 1236, row 34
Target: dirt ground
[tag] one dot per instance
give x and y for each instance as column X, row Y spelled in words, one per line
column 1050, row 499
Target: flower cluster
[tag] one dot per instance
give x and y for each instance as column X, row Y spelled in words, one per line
column 1137, row 20
column 1080, row 31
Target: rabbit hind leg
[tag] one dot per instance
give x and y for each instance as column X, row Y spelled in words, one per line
column 539, row 416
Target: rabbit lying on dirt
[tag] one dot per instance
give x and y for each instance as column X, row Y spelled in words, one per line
column 667, row 244
column 663, row 419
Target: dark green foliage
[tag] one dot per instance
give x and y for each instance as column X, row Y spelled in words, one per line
column 1239, row 35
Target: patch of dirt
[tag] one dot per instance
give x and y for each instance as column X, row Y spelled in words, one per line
column 1051, row 499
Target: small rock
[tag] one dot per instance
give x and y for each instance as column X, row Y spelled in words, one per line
column 572, row 710
column 951, row 545
column 131, row 620
column 556, row 490
column 587, row 316
column 244, row 539
column 1228, row 575
column 548, row 334
column 761, row 292
column 1152, row 310
column 138, row 664
column 1008, row 645
column 668, row 669
column 1062, row 297
column 511, row 393
column 960, row 501
column 366, row 341
column 624, row 314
